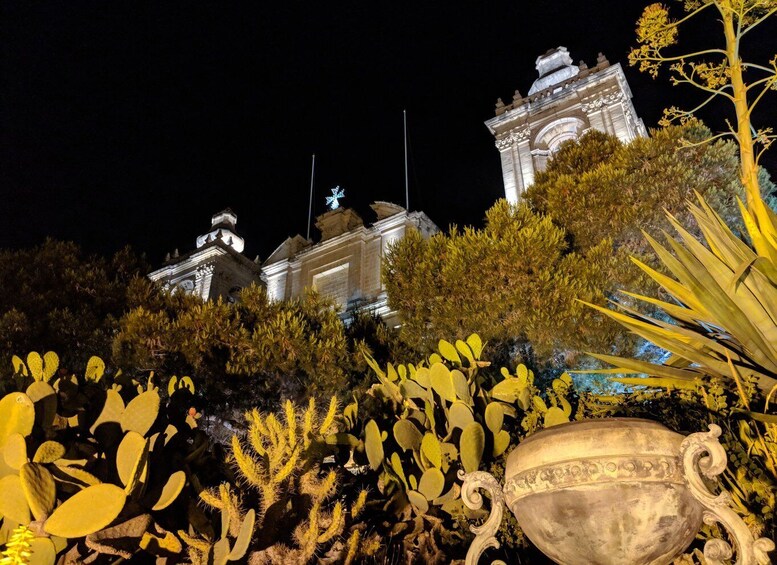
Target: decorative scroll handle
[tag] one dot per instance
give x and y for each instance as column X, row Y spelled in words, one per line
column 484, row 534
column 702, row 454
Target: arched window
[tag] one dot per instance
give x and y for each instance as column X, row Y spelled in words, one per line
column 557, row 132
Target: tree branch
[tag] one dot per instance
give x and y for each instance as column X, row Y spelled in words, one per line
column 688, row 144
column 689, row 80
column 757, row 67
column 758, row 21
column 767, row 87
column 664, row 59
column 761, row 81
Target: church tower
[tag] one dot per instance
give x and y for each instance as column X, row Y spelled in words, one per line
column 563, row 103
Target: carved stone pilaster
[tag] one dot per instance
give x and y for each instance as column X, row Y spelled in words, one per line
column 202, row 279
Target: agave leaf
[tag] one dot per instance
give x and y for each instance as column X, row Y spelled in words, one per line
column 758, row 416
column 726, row 311
column 711, row 268
column 682, row 294
column 656, row 382
column 644, row 367
column 678, row 312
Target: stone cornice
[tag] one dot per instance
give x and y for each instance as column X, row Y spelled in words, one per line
column 521, row 109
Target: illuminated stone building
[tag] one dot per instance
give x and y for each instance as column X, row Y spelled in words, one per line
column 346, row 264
column 216, row 268
column 563, row 103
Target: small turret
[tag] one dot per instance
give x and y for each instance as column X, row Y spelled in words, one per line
column 223, row 228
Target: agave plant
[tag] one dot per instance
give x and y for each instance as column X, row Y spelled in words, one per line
column 723, row 317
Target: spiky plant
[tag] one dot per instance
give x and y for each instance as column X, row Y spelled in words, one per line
column 19, row 547
column 300, row 503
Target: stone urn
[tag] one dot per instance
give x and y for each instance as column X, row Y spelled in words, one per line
column 613, row 491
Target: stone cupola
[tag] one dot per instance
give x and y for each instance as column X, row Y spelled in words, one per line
column 223, row 228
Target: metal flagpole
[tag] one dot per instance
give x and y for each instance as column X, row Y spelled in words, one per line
column 310, row 204
column 407, row 191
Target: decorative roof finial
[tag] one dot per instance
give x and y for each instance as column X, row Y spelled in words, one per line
column 333, row 201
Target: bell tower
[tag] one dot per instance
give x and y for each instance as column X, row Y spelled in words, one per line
column 564, row 102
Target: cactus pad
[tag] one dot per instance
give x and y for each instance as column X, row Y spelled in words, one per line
column 406, row 435
column 421, row 376
column 461, row 386
column 15, row 451
column 38, row 390
column 243, row 537
column 448, row 351
column 132, row 459
column 141, row 413
column 431, row 484
column 13, row 503
column 418, row 500
column 494, row 417
column 70, row 520
column 396, row 465
column 411, row 389
column 48, row 452
column 42, row 552
column 442, row 382
column 373, row 444
column 38, row 486
column 73, row 475
column 555, row 416
column 459, row 416
column 19, row 368
column 95, row 368
column 430, row 448
column 501, row 443
column 171, row 490
column 471, row 445
column 35, row 364
column 17, row 415
column 112, row 410
column 475, row 344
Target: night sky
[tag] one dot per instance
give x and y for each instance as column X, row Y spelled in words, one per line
column 133, row 122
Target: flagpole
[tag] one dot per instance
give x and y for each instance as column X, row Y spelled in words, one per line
column 407, row 191
column 310, row 204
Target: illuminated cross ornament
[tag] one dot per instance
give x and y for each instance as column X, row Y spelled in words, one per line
column 333, row 201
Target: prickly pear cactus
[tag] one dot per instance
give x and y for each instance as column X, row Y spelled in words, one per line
column 444, row 415
column 93, row 458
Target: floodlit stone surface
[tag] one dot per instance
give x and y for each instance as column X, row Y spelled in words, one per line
column 564, row 102
column 603, row 492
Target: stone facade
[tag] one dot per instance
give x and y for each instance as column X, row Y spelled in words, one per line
column 563, row 103
column 216, row 268
column 346, row 264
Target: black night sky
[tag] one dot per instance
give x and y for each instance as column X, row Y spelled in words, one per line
column 133, row 122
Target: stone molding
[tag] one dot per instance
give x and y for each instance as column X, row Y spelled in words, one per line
column 514, row 136
column 602, row 101
column 205, row 270
column 659, row 468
